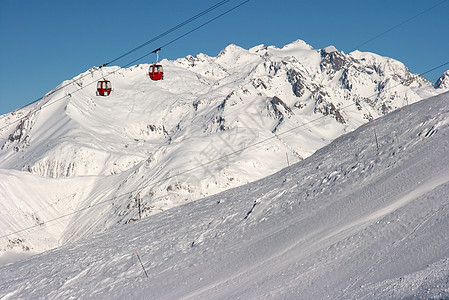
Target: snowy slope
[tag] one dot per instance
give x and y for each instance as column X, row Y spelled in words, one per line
column 349, row 222
column 212, row 124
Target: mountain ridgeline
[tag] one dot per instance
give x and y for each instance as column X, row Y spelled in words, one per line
column 212, row 124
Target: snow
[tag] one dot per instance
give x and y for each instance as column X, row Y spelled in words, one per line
column 348, row 222
column 330, row 49
column 75, row 164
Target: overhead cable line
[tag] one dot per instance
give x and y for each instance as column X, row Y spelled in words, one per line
column 169, row 31
column 200, row 165
column 189, row 32
column 182, row 24
column 132, row 62
column 396, row 26
column 433, row 69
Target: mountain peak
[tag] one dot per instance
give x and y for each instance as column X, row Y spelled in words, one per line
column 230, row 48
column 298, row 44
column 259, row 48
column 330, row 49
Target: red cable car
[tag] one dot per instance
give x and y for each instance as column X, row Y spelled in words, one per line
column 156, row 71
column 104, row 88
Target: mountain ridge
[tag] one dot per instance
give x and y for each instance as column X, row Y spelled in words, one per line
column 212, row 124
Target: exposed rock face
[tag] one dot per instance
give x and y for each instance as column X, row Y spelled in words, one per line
column 443, row 81
column 278, row 110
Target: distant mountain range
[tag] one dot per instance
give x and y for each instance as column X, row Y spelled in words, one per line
column 76, row 164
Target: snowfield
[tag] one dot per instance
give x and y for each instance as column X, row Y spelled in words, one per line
column 349, row 222
column 76, row 164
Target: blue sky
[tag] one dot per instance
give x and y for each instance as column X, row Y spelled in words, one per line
column 43, row 43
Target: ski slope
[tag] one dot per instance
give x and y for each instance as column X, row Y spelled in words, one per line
column 349, row 222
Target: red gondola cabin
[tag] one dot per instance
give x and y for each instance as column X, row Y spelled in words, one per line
column 104, row 88
column 156, row 72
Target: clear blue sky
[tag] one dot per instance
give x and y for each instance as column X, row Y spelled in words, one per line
column 43, row 43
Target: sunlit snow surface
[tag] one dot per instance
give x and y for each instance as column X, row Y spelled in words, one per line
column 349, row 222
column 76, row 164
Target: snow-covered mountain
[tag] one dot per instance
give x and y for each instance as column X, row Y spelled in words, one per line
column 349, row 222
column 443, row 81
column 75, row 164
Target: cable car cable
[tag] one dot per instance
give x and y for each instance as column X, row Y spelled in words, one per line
column 217, row 5
column 127, row 65
column 396, row 26
column 187, row 33
column 170, row 30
